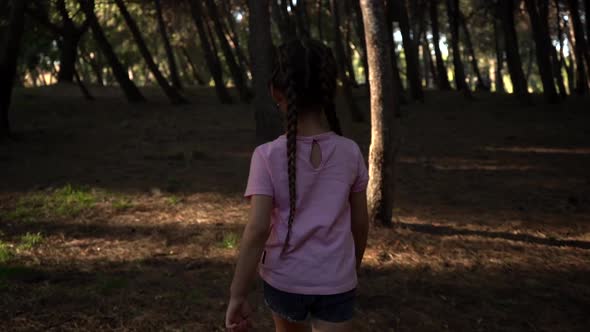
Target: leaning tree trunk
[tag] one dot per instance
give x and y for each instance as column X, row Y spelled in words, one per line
column 519, row 83
column 129, row 88
column 384, row 106
column 210, row 57
column 268, row 125
column 442, row 77
column 411, row 52
column 176, row 83
column 237, row 73
column 580, row 49
column 553, row 58
column 340, row 58
column 172, row 94
column 200, row 80
column 453, row 14
column 481, row 85
column 9, row 61
column 543, row 50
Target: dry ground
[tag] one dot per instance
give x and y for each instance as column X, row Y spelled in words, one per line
column 126, row 217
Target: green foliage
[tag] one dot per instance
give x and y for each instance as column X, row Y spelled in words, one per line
column 30, row 240
column 5, row 252
column 122, row 203
column 230, row 241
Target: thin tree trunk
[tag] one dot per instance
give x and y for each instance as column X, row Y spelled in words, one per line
column 562, row 58
column 348, row 53
column 85, row 92
column 236, row 72
column 340, row 58
column 233, row 36
column 442, row 77
column 300, row 18
column 384, row 107
column 411, row 52
column 553, row 57
column 580, row 49
column 283, row 22
column 9, row 61
column 481, row 85
column 453, row 14
column 543, row 51
column 129, row 88
column 519, row 83
column 174, row 78
column 499, row 76
column 397, row 81
column 587, row 8
column 200, row 80
column 210, row 57
column 360, row 32
column 268, row 125
column 172, row 94
column 429, row 60
column 320, row 16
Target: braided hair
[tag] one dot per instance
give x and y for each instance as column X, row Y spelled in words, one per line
column 305, row 71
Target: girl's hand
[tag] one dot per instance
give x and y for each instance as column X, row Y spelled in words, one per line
column 237, row 315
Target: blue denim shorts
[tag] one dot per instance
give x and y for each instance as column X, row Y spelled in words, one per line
column 300, row 308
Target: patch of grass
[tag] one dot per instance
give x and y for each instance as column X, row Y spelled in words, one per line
column 67, row 201
column 121, row 204
column 230, row 241
column 5, row 252
column 173, row 200
column 30, row 240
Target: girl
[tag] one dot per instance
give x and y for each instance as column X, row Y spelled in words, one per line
column 308, row 223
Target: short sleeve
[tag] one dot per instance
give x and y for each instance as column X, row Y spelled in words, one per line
column 362, row 176
column 259, row 180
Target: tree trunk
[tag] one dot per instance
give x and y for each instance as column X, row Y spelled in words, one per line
column 397, row 81
column 587, row 8
column 429, row 60
column 9, row 61
column 360, row 32
column 268, row 125
column 283, row 22
column 543, row 50
column 340, row 58
column 176, row 83
column 348, row 52
column 481, row 85
column 200, row 80
column 172, row 94
column 233, row 36
column 442, row 77
column 210, row 57
column 562, row 58
column 320, row 16
column 519, row 84
column 553, row 57
column 499, row 76
column 129, row 88
column 236, row 73
column 300, row 18
column 87, row 95
column 411, row 52
column 580, row 49
column 384, row 107
column 453, row 14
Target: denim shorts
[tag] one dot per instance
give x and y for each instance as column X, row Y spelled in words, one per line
column 335, row 308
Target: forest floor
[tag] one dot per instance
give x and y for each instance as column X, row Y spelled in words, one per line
column 127, row 217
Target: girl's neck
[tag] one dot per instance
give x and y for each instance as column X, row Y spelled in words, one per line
column 310, row 124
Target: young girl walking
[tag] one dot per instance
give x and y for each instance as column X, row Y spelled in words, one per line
column 308, row 223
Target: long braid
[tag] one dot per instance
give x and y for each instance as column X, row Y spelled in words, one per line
column 291, row 148
column 328, row 84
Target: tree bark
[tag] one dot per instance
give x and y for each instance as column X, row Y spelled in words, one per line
column 499, row 76
column 411, row 52
column 300, row 17
column 174, row 78
column 320, row 16
column 553, row 57
column 580, row 49
column 200, row 80
column 360, row 32
column 453, row 14
column 268, row 125
column 397, row 81
column 236, row 73
column 282, row 21
column 170, row 92
column 384, row 107
column 9, row 61
column 129, row 88
column 543, row 50
column 340, row 58
column 562, row 59
column 519, row 84
column 210, row 57
column 442, row 77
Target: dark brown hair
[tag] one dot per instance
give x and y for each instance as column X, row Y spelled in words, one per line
column 305, row 70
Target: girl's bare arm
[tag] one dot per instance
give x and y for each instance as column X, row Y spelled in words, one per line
column 359, row 218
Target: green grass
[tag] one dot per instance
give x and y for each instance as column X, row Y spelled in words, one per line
column 30, row 240
column 67, row 201
column 230, row 241
column 5, row 252
column 122, row 203
column 173, row 200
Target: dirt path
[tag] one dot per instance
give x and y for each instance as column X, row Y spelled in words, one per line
column 127, row 217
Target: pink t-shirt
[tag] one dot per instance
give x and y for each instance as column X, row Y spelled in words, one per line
column 320, row 259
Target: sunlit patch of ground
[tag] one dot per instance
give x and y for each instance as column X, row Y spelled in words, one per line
column 128, row 217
